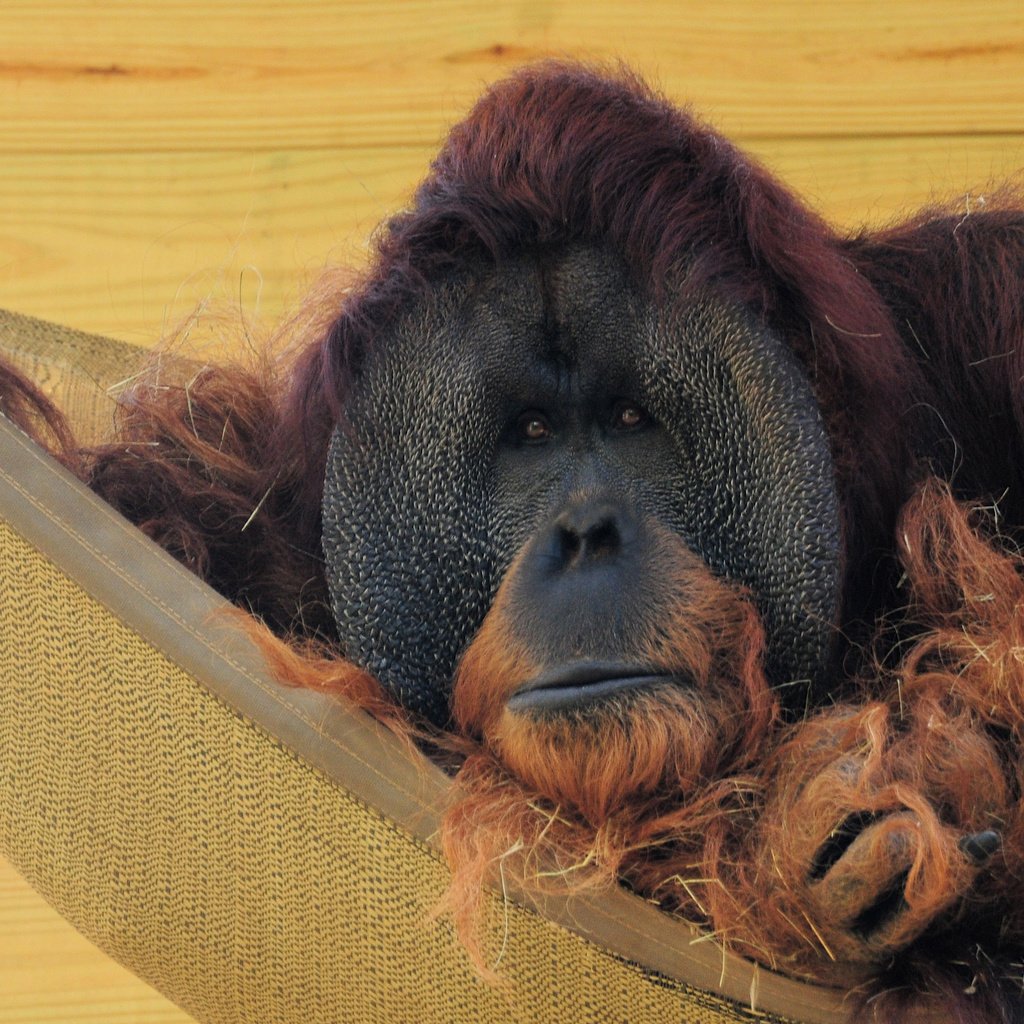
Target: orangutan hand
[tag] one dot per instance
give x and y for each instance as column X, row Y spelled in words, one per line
column 880, row 878
column 876, row 829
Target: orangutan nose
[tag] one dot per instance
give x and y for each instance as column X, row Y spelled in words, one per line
column 591, row 533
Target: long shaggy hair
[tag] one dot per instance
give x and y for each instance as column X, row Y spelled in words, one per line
column 896, row 782
column 554, row 155
column 702, row 799
column 930, row 755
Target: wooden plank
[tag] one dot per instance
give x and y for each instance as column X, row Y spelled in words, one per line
column 160, row 154
column 872, row 182
column 50, row 973
column 133, row 75
column 130, row 244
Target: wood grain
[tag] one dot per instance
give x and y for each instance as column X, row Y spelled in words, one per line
column 130, row 246
column 160, row 155
column 143, row 76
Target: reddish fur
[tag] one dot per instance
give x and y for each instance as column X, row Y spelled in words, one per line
column 927, row 316
column 311, row 667
column 571, row 804
column 945, row 746
column 941, row 756
column 556, row 154
column 23, row 403
column 632, row 753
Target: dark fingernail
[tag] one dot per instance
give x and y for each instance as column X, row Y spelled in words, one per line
column 980, row 846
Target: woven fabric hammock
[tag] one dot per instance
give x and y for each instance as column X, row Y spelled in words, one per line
column 254, row 852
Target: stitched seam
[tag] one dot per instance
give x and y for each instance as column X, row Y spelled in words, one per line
column 123, row 526
column 138, row 587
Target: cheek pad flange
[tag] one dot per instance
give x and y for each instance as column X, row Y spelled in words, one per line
column 415, row 541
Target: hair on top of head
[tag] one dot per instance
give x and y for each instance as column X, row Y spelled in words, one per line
column 909, row 338
column 555, row 153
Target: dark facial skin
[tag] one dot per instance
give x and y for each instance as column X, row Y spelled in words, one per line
column 575, row 599
column 548, row 402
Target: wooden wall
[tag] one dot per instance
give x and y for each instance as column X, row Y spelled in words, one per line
column 157, row 154
column 154, row 155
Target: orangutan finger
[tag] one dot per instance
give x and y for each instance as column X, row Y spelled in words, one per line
column 980, row 847
column 859, row 887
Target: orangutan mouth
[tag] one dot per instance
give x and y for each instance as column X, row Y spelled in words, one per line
column 572, row 686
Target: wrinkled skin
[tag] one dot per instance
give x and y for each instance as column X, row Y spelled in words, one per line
column 688, row 414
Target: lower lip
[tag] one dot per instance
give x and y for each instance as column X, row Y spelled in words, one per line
column 572, row 696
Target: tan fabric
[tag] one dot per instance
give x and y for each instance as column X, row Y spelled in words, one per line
column 81, row 372
column 223, row 854
column 238, row 881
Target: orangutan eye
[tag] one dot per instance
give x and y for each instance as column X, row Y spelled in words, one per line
column 628, row 416
column 533, row 427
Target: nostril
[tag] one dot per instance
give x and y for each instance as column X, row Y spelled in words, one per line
column 569, row 543
column 603, row 538
column 588, row 542
column 589, row 533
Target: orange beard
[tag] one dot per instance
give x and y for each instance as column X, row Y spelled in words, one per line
column 574, row 796
column 630, row 750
